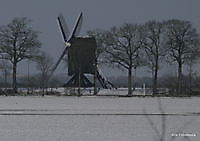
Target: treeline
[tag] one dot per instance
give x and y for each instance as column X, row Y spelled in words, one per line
column 131, row 46
column 166, row 81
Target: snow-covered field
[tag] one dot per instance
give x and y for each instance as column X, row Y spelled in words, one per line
column 97, row 118
column 102, row 92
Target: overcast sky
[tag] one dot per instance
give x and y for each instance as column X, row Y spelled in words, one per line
column 97, row 14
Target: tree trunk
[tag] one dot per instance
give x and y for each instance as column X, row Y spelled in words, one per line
column 14, row 77
column 179, row 84
column 129, row 81
column 155, row 78
column 44, row 83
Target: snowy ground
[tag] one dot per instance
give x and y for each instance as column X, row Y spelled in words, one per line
column 97, row 118
column 102, row 92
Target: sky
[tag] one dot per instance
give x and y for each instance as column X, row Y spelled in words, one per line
column 97, row 14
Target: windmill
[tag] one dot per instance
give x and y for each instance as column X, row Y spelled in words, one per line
column 81, row 53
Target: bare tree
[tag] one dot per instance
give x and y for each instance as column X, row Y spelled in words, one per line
column 182, row 42
column 19, row 41
column 44, row 65
column 122, row 48
column 152, row 36
column 5, row 67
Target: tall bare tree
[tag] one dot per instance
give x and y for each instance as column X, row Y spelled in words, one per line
column 44, row 65
column 19, row 41
column 182, row 42
column 152, row 40
column 122, row 48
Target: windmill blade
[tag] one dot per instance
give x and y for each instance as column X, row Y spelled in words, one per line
column 59, row 60
column 63, row 27
column 77, row 27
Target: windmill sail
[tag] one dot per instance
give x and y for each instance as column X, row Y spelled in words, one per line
column 63, row 27
column 77, row 27
column 59, row 60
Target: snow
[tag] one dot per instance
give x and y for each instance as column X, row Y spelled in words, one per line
column 93, row 118
column 101, row 91
column 110, row 92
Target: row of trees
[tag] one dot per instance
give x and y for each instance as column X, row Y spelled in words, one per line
column 131, row 46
